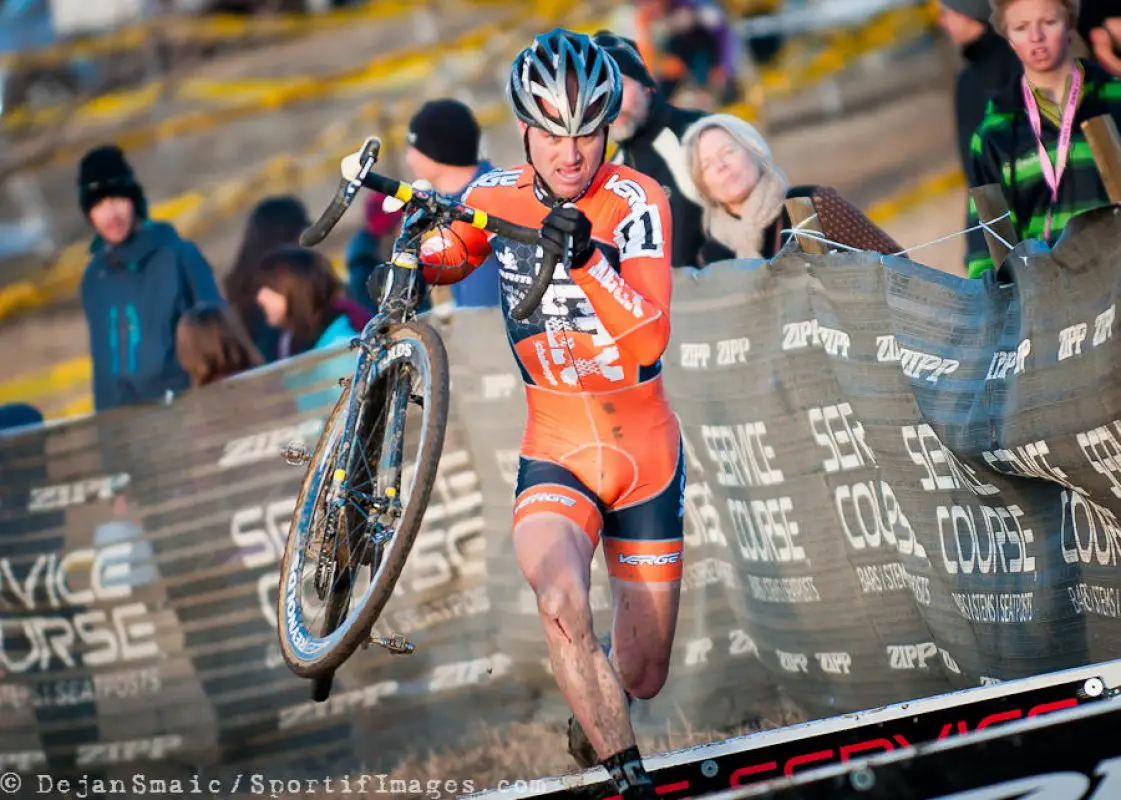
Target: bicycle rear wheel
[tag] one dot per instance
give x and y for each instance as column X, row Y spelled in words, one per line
column 413, row 371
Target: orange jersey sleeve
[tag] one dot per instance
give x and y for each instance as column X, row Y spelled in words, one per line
column 633, row 303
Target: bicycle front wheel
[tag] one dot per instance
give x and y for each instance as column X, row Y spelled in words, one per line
column 354, row 525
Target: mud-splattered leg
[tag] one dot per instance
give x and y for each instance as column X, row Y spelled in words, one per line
column 555, row 556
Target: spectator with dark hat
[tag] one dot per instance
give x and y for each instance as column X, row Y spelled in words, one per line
column 648, row 133
column 140, row 279
column 444, row 149
column 989, row 66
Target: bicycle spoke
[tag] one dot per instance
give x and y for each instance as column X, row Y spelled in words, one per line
column 357, row 543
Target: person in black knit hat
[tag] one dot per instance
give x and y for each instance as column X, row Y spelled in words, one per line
column 443, row 132
column 648, row 132
column 140, row 278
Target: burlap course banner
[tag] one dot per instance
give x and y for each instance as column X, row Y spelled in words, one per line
column 900, row 482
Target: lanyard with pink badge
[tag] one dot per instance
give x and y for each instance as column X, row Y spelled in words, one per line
column 1053, row 174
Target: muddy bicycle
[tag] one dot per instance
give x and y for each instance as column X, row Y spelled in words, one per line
column 360, row 508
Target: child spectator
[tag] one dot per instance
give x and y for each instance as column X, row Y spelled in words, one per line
column 1031, row 141
column 301, row 296
column 274, row 221
column 212, row 345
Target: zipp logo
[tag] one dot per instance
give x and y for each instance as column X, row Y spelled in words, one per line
column 911, row 656
column 637, row 560
column 921, row 366
column 811, row 333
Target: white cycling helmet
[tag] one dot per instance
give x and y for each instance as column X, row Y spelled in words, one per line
column 577, row 79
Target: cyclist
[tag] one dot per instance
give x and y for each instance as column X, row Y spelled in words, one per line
column 601, row 456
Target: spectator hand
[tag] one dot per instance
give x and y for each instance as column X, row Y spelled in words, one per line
column 1106, row 45
column 564, row 222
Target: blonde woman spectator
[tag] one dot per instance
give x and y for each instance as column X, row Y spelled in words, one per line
column 211, row 345
column 743, row 192
column 1030, row 141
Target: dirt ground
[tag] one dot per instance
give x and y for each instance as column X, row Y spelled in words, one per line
column 527, row 751
column 523, row 751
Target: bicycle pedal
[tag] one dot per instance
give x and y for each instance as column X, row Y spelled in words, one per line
column 296, row 454
column 397, row 644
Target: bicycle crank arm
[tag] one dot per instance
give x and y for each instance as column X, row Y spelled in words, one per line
column 396, row 644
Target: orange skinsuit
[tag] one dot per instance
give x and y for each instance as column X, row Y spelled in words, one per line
column 602, row 446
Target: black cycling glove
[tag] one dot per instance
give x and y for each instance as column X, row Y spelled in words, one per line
column 562, row 222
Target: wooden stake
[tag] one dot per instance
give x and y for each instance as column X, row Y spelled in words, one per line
column 800, row 210
column 1105, row 144
column 991, row 205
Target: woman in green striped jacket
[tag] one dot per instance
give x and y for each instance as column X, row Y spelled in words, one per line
column 1031, row 141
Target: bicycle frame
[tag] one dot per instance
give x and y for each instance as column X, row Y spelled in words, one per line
column 382, row 383
column 397, row 305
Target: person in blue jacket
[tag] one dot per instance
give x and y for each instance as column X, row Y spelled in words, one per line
column 443, row 149
column 140, row 279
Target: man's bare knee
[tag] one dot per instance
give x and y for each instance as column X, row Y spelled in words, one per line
column 643, row 674
column 561, row 599
column 565, row 604
column 555, row 557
